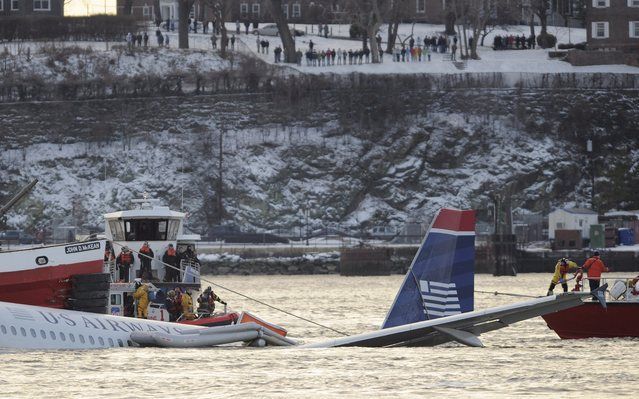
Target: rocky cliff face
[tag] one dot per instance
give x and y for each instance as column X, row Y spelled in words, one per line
column 347, row 158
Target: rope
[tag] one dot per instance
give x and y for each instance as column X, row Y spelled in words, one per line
column 240, row 294
column 507, row 293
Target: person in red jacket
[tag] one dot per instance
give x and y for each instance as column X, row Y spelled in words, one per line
column 594, row 266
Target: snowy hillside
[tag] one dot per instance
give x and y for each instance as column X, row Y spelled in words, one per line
column 349, row 159
column 306, row 146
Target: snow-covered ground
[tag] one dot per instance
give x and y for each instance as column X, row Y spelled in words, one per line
column 520, row 61
column 111, row 57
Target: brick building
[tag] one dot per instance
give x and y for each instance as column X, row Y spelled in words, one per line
column 297, row 11
column 23, row 8
column 613, row 25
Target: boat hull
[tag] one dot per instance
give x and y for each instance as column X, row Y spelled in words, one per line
column 40, row 276
column 591, row 320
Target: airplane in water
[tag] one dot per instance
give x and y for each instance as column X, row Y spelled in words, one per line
column 433, row 306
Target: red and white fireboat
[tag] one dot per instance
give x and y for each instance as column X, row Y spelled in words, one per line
column 79, row 275
column 620, row 318
column 41, row 276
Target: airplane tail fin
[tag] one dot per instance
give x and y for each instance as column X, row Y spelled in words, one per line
column 440, row 281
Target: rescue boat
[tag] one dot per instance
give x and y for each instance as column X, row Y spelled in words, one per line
column 83, row 276
column 590, row 320
column 41, row 276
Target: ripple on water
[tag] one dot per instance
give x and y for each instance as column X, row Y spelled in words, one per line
column 522, row 360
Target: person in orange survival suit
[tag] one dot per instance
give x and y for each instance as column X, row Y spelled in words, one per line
column 562, row 267
column 594, row 266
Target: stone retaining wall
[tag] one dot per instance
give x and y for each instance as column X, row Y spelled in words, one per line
column 286, row 266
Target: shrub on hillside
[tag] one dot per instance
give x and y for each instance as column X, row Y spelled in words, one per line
column 546, row 40
column 568, row 46
column 356, row 31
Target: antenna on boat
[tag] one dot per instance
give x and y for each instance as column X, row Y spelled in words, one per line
column 145, row 202
column 182, row 171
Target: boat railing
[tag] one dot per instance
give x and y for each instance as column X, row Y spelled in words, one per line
column 109, row 267
column 620, row 288
column 189, row 271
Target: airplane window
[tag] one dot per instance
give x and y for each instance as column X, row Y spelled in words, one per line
column 14, row 331
column 62, row 337
column 43, row 334
column 52, row 334
column 101, row 341
column 81, row 338
column 33, row 333
column 91, row 340
column 23, row 331
column 111, row 344
column 120, row 343
column 4, row 329
column 71, row 337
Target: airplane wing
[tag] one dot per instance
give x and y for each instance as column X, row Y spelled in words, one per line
column 464, row 328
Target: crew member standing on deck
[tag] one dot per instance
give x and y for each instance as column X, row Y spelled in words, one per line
column 561, row 269
column 187, row 305
column 123, row 263
column 146, row 256
column 141, row 295
column 170, row 260
column 594, row 266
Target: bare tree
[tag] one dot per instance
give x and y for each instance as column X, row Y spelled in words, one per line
column 127, row 7
column 221, row 10
column 288, row 43
column 184, row 8
column 370, row 15
column 540, row 9
column 475, row 19
column 399, row 9
column 157, row 12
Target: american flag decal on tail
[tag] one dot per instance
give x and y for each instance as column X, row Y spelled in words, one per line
column 440, row 280
column 440, row 299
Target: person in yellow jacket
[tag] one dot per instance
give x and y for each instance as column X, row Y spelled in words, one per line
column 141, row 294
column 187, row 305
column 562, row 267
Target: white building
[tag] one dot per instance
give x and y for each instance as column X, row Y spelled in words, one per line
column 571, row 219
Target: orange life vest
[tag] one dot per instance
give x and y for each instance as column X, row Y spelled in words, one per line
column 126, row 258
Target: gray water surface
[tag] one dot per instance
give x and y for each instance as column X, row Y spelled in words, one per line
column 526, row 359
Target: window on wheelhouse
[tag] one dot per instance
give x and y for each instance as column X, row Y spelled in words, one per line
column 146, row 230
column 116, row 230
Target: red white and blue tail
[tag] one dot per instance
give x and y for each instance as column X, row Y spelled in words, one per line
column 440, row 281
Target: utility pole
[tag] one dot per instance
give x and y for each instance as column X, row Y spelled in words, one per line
column 591, row 159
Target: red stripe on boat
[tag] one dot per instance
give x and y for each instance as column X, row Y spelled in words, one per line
column 44, row 286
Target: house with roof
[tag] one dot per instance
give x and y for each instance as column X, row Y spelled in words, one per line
column 572, row 219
